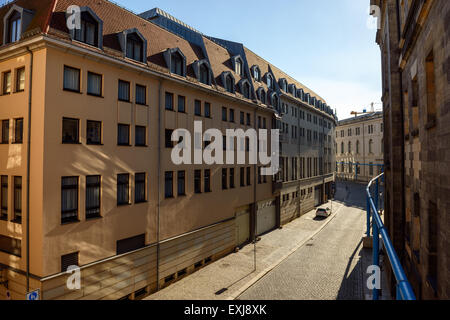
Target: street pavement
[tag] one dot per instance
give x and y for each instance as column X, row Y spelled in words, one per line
column 308, row 259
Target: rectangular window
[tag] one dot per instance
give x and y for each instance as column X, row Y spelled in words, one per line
column 130, row 244
column 207, row 180
column 69, row 199
column 70, row 130
column 11, row 246
column 6, row 82
column 207, row 110
column 198, row 181
column 4, row 198
column 140, row 136
column 94, row 132
column 181, row 104
column 168, row 187
column 242, row 118
column 249, row 122
column 124, row 91
column 5, row 131
column 123, row 134
column 71, row 79
column 249, row 182
column 168, row 138
column 140, row 192
column 181, row 183
column 198, row 108
column 242, row 177
column 232, row 178
column 431, row 88
column 69, row 260
column 141, row 95
column 93, row 193
column 94, row 84
column 20, row 80
column 169, row 101
column 123, row 189
column 224, row 179
column 224, row 114
column 231, row 115
column 18, row 131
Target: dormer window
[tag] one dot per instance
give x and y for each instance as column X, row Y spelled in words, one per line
column 14, row 27
column 204, row 74
column 229, row 84
column 275, row 101
column 239, row 67
column 262, row 95
column 135, row 47
column 269, row 81
column 256, row 73
column 246, row 90
column 202, row 71
column 91, row 29
column 176, row 64
column 228, row 81
column 283, row 85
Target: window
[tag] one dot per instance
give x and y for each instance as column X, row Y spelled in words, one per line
column 204, row 74
column 135, row 47
column 69, row 260
column 94, row 85
column 207, row 179
column 198, row 108
column 6, row 82
column 169, row 101
column 69, row 199
column 141, row 95
column 140, row 192
column 94, row 132
column 123, row 189
column 350, row 147
column 14, row 27
column 168, row 187
column 93, row 185
column 249, row 122
column 130, row 244
column 181, row 183
column 168, row 138
column 123, row 134
column 224, row 114
column 198, row 181
column 181, row 104
column 176, row 64
column 357, row 147
column 342, row 147
column 263, row 96
column 239, row 67
column 140, row 136
column 249, row 182
column 269, row 81
column 256, row 74
column 246, row 90
column 207, row 110
column 5, row 131
column 89, row 30
column 229, row 84
column 431, row 88
column 370, row 146
column 371, row 168
column 124, row 91
column 70, row 131
column 20, row 80
column 232, row 178
column 242, row 177
column 242, row 118
column 224, row 179
column 4, row 198
column 231, row 115
column 71, row 79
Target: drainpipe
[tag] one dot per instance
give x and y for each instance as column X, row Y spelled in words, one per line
column 158, row 240
column 28, row 168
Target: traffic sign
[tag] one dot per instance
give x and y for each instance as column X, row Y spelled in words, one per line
column 34, row 295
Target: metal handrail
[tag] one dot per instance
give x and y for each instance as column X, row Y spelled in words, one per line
column 404, row 289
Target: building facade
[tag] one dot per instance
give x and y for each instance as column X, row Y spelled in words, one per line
column 359, row 151
column 87, row 177
column 414, row 39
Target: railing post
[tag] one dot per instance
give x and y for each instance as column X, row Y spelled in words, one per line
column 376, row 239
column 368, row 217
column 377, row 195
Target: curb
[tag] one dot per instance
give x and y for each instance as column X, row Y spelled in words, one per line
column 276, row 264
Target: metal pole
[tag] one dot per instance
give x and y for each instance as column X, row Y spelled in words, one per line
column 376, row 242
column 368, row 216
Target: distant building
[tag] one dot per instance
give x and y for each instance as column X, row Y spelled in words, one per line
column 415, row 52
column 359, row 147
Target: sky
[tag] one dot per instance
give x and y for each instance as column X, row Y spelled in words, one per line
column 324, row 44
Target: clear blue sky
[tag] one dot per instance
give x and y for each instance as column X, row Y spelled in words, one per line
column 324, row 44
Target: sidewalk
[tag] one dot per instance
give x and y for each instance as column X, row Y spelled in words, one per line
column 234, row 273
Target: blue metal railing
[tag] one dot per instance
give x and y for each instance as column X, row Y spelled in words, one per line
column 404, row 289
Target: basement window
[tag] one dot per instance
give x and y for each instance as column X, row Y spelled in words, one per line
column 169, row 278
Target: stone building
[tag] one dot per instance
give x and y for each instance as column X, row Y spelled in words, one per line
column 359, row 147
column 414, row 38
column 86, row 172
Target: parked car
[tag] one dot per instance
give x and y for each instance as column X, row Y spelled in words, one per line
column 323, row 212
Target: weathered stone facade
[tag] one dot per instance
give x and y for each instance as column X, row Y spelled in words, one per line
column 415, row 49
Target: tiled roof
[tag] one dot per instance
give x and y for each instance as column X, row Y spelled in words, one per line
column 363, row 117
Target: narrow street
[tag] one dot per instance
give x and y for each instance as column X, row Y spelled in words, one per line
column 331, row 266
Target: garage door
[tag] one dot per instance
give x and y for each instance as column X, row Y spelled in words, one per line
column 266, row 218
column 243, row 226
column 317, row 196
